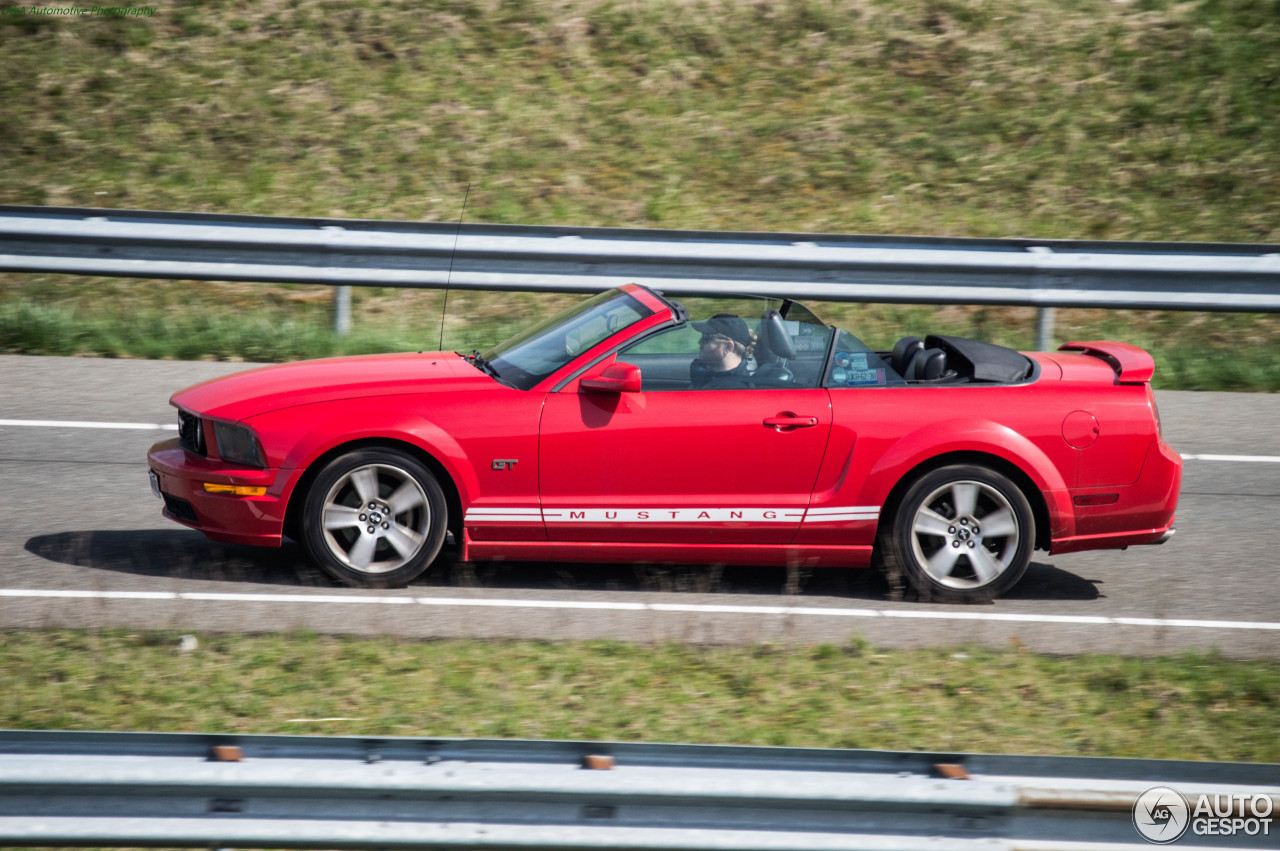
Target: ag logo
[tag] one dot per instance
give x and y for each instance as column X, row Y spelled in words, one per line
column 1161, row 815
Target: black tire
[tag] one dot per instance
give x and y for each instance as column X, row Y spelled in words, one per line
column 961, row 534
column 385, row 514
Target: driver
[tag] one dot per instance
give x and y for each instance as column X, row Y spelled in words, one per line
column 723, row 353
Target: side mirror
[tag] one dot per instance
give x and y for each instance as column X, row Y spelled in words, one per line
column 617, row 377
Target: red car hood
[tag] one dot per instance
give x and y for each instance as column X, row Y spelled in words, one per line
column 270, row 388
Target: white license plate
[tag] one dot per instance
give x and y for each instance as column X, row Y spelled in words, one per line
column 155, row 483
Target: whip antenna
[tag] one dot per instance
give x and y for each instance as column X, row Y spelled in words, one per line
column 449, row 276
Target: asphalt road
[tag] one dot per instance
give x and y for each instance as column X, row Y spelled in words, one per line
column 84, row 545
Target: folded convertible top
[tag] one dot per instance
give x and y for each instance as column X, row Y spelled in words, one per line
column 988, row 361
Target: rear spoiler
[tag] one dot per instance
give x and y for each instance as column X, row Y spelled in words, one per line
column 1132, row 364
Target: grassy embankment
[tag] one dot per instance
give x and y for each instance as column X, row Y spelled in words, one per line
column 1148, row 120
column 1189, row 707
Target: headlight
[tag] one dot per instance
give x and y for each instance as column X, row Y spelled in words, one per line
column 237, row 444
column 191, row 433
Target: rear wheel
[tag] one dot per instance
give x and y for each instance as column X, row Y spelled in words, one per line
column 374, row 518
column 962, row 533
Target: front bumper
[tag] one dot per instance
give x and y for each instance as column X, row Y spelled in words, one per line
column 253, row 520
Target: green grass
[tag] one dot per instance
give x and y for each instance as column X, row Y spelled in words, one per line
column 1147, row 120
column 1187, row 707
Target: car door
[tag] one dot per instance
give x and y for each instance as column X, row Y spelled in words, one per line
column 726, row 466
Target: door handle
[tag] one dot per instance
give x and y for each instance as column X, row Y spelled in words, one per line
column 789, row 421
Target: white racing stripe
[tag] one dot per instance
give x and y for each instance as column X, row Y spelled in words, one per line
column 604, row 605
column 671, row 515
column 842, row 515
column 503, row 515
column 478, row 510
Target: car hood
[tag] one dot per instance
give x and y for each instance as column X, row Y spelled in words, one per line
column 271, row 388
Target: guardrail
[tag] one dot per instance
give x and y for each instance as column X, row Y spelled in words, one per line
column 829, row 267
column 216, row 791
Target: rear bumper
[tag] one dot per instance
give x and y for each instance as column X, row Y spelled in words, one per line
column 1116, row 541
column 1141, row 513
column 253, row 520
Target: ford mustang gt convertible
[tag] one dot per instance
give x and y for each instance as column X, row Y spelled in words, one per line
column 627, row 429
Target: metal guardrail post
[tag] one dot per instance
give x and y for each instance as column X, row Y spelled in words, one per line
column 1044, row 329
column 342, row 311
column 1044, row 317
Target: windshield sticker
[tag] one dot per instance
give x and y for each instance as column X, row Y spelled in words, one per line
column 852, row 360
column 857, row 377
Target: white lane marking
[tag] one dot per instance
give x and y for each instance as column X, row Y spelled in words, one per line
column 71, row 424
column 533, row 604
column 289, row 598
column 92, row 595
column 764, row 610
column 690, row 608
column 1247, row 459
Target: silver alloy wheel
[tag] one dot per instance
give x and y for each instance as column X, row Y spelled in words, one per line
column 376, row 518
column 965, row 535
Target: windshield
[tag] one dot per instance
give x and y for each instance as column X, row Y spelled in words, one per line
column 537, row 352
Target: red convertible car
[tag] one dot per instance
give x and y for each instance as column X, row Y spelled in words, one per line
column 625, row 429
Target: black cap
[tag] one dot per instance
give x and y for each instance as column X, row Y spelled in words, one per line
column 726, row 325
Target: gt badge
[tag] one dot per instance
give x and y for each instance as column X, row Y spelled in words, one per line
column 504, row 463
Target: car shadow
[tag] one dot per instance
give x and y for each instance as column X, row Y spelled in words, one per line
column 184, row 554
column 178, row 554
column 1046, row 582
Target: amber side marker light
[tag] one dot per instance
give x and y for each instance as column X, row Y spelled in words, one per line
column 1097, row 499
column 237, row 490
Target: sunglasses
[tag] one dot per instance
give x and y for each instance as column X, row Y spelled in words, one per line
column 713, row 338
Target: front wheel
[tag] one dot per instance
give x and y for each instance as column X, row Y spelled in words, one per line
column 961, row 534
column 374, row 518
